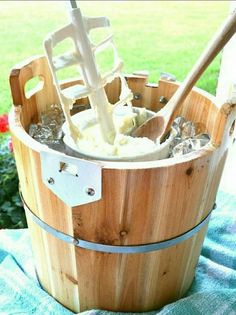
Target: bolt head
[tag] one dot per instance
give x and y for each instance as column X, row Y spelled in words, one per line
column 163, row 100
column 51, row 181
column 90, row 191
column 137, row 96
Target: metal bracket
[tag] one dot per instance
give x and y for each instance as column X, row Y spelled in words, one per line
column 74, row 181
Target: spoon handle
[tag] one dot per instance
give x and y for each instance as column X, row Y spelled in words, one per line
column 214, row 47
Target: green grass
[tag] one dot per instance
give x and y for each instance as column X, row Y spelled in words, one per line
column 158, row 36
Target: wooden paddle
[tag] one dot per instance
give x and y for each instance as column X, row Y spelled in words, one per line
column 159, row 125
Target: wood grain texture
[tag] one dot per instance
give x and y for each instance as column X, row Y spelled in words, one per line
column 38, row 102
column 142, row 202
column 137, row 282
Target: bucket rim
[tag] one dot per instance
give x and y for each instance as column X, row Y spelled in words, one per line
column 19, row 132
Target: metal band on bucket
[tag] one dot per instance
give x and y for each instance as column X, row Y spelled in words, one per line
column 126, row 249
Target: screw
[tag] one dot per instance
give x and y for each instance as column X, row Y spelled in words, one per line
column 51, row 181
column 123, row 233
column 90, row 191
column 137, row 96
column 163, row 100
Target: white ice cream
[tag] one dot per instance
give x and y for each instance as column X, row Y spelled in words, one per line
column 125, row 120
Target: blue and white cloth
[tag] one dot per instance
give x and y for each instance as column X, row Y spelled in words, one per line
column 213, row 291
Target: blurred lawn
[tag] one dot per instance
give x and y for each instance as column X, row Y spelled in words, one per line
column 159, row 36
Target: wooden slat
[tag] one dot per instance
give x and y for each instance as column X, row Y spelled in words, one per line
column 38, row 102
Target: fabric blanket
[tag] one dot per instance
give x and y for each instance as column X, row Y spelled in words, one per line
column 212, row 292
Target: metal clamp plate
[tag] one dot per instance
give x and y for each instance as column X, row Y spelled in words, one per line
column 74, row 181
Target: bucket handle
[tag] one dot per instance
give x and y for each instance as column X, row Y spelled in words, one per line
column 30, row 68
column 224, row 123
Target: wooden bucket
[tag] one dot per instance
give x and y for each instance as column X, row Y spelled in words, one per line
column 134, row 238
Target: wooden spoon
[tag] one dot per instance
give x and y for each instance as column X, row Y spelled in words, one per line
column 159, row 125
